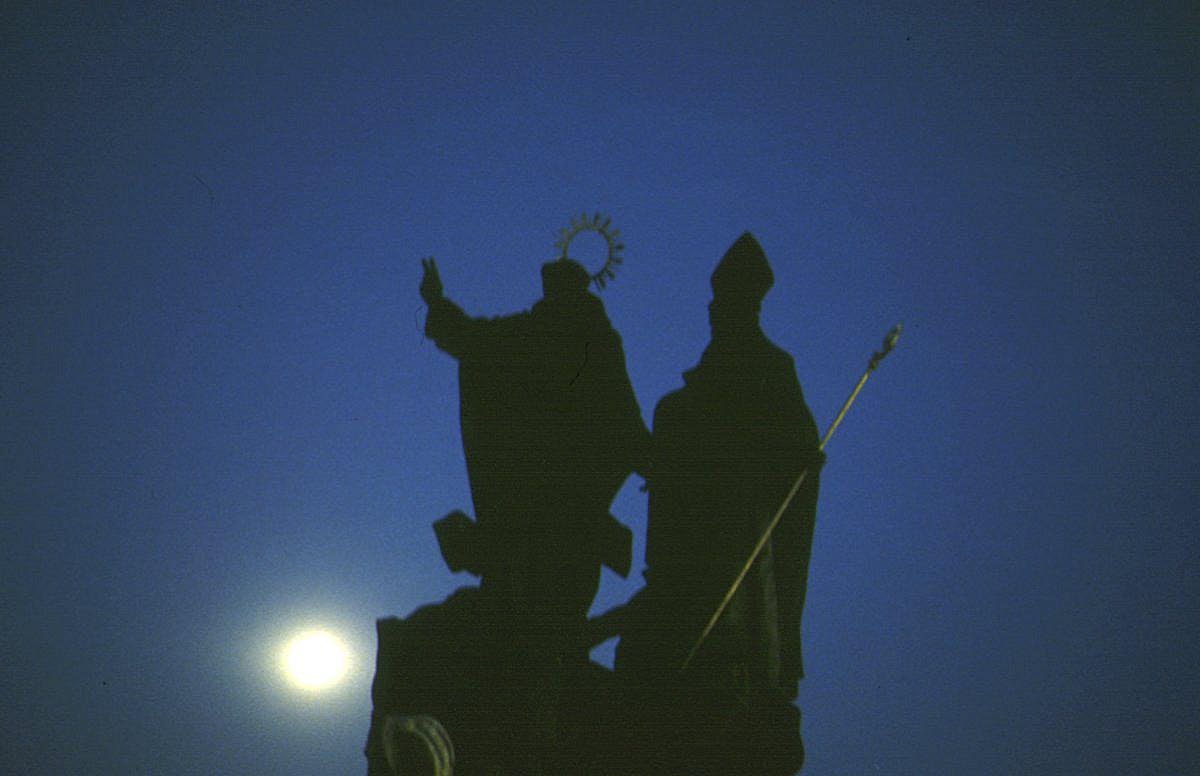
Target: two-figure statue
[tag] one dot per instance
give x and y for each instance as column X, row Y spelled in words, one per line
column 551, row 429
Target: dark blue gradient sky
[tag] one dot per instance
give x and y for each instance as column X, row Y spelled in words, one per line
column 219, row 420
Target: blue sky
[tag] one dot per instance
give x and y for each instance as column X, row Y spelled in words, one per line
column 219, row 421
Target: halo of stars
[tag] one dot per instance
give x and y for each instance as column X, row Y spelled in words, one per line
column 600, row 225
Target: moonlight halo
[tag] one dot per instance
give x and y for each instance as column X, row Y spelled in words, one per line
column 315, row 660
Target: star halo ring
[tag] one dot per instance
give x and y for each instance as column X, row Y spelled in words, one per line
column 600, row 225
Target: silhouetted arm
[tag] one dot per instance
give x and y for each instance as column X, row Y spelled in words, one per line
column 446, row 324
column 449, row 327
column 666, row 538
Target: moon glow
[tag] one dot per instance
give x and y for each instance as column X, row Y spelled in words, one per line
column 315, row 660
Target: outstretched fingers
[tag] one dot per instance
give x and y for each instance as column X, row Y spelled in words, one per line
column 431, row 282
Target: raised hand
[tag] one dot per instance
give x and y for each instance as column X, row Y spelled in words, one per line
column 431, row 281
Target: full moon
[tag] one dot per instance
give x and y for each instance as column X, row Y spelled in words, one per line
column 315, row 660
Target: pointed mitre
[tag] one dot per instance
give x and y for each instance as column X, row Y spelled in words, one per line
column 743, row 272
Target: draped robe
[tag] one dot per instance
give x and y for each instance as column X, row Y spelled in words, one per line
column 551, row 429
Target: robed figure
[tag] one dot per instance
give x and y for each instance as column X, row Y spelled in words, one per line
column 727, row 448
column 551, row 429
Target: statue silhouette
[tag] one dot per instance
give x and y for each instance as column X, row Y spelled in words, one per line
column 496, row 679
column 551, row 429
column 726, row 449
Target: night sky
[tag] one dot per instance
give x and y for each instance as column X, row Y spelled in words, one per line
column 220, row 422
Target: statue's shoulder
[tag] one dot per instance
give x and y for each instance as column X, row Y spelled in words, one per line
column 774, row 355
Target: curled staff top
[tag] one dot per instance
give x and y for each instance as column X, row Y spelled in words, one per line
column 889, row 342
column 599, row 224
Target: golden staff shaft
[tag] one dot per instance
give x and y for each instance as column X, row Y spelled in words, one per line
column 888, row 343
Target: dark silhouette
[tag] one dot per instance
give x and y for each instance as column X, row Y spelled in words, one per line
column 495, row 679
column 551, row 429
column 726, row 449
